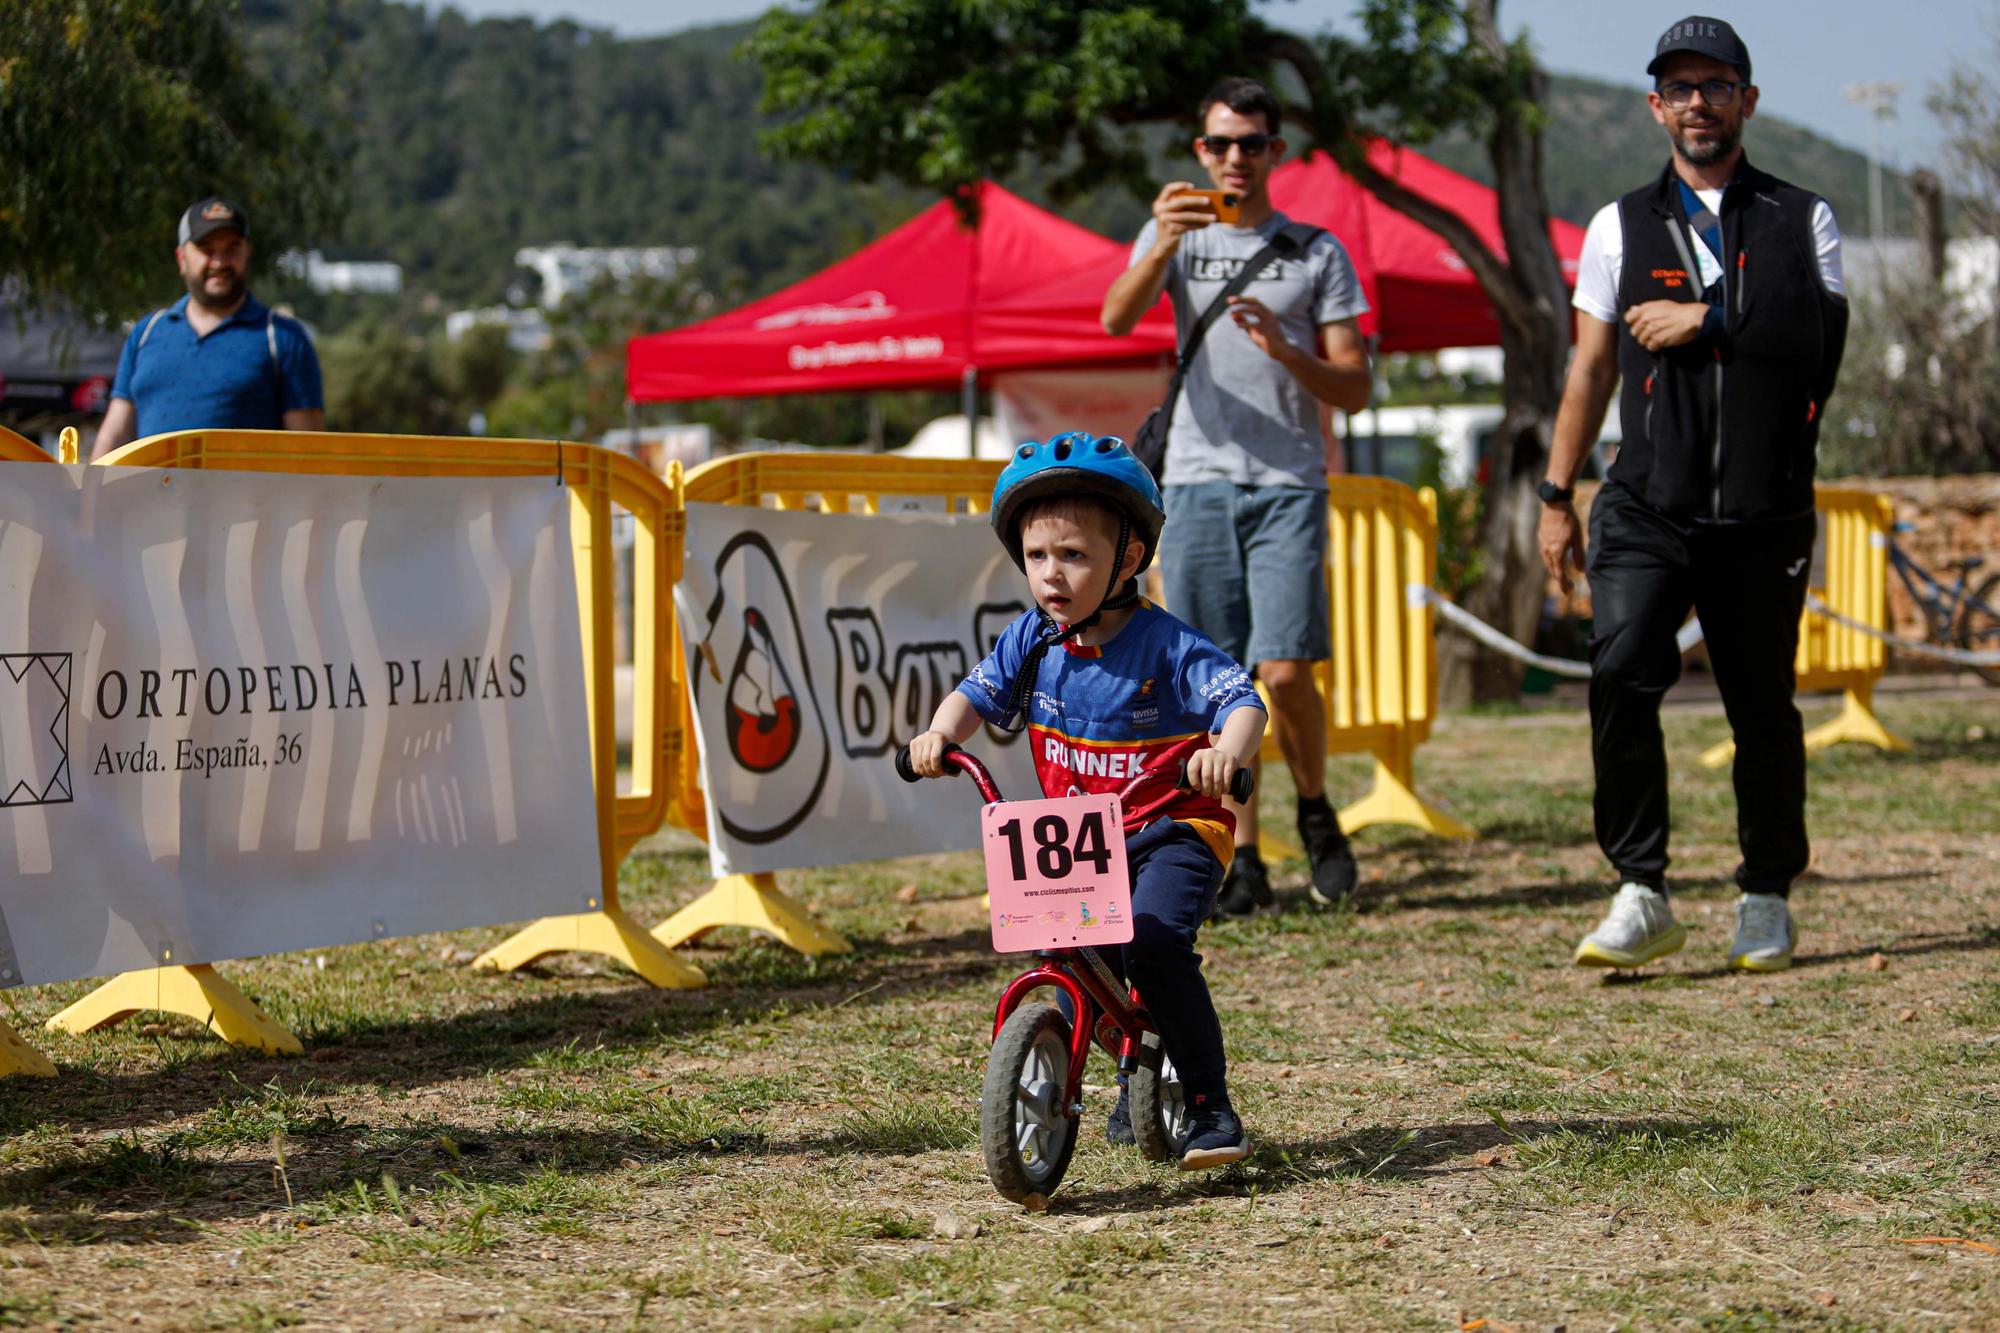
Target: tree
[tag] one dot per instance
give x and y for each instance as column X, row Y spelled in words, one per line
column 115, row 115
column 939, row 93
column 1920, row 387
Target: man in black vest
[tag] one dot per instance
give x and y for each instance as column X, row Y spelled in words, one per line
column 1715, row 292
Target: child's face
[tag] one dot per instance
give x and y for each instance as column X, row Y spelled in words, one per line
column 1069, row 565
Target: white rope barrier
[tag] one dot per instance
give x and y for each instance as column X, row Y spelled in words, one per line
column 1904, row 645
column 1690, row 634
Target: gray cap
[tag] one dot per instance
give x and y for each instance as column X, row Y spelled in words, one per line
column 1700, row 36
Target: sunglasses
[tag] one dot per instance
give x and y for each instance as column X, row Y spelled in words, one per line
column 1715, row 92
column 1253, row 145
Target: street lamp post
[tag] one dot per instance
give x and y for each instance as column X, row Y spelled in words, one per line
column 1879, row 100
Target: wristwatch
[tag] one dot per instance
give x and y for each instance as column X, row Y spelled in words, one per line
column 1553, row 494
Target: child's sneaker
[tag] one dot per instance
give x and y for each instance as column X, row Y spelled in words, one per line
column 1214, row 1136
column 1118, row 1129
column 1334, row 873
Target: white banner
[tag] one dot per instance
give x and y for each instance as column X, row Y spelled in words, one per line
column 817, row 644
column 243, row 713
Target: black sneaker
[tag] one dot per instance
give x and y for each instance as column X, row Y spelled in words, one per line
column 1334, row 873
column 1215, row 1136
column 1245, row 887
column 1118, row 1129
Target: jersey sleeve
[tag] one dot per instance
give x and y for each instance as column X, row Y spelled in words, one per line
column 990, row 687
column 1598, row 268
column 1209, row 682
column 128, row 364
column 298, row 369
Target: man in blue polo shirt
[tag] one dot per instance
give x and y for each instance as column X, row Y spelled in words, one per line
column 216, row 358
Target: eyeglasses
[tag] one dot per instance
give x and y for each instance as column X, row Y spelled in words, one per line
column 1253, row 145
column 1715, row 92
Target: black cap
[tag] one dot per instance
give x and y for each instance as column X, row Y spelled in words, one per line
column 212, row 215
column 1700, row 36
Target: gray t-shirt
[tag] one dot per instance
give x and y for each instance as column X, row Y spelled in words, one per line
column 1242, row 417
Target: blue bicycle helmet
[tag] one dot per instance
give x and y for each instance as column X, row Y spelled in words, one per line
column 1076, row 463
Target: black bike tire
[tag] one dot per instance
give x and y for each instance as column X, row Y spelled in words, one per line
column 1979, row 626
column 1014, row 1179
column 1151, row 1090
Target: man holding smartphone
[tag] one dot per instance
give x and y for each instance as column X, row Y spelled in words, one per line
column 1245, row 472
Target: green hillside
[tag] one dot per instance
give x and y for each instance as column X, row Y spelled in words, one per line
column 466, row 140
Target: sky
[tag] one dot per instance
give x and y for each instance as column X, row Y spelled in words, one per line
column 1804, row 53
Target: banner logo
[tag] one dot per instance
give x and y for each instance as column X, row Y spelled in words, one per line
column 758, row 677
column 34, row 729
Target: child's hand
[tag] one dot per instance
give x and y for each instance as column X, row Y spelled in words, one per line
column 927, row 753
column 1209, row 772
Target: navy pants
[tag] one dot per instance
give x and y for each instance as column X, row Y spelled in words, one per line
column 1175, row 878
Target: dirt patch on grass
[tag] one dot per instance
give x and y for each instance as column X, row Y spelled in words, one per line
column 1455, row 1124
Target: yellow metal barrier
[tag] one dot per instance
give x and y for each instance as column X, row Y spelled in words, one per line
column 17, row 1057
column 1381, row 683
column 1853, row 579
column 830, row 483
column 599, row 481
column 18, row 448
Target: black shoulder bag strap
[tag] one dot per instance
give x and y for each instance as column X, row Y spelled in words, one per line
column 1293, row 238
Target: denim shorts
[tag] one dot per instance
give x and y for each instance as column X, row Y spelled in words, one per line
column 1246, row 565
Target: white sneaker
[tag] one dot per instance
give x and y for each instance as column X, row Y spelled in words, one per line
column 1765, row 936
column 1639, row 928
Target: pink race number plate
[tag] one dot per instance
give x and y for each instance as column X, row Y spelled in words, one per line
column 1056, row 872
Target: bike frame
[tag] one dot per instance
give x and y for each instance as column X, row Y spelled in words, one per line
column 1945, row 608
column 1106, row 1011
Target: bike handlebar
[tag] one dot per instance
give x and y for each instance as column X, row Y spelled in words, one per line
column 1241, row 784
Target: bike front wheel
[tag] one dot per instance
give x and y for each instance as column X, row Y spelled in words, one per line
column 1025, row 1127
column 1979, row 626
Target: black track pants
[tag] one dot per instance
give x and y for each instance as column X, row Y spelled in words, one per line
column 1747, row 582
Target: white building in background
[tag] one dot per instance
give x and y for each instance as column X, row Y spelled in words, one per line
column 346, row 276
column 1971, row 269
column 567, row 269
column 527, row 330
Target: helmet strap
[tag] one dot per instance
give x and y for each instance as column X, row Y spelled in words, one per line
column 1052, row 634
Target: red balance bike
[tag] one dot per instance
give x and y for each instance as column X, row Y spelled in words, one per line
column 1033, row 1097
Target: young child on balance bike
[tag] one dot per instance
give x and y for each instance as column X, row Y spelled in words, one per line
column 1131, row 693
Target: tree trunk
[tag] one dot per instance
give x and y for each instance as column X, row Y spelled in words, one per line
column 1534, row 340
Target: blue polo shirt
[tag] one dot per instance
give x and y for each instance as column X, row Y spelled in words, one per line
column 245, row 373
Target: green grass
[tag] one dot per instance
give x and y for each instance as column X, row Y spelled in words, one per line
column 1453, row 1122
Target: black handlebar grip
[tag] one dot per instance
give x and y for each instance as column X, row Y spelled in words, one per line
column 1241, row 783
column 909, row 774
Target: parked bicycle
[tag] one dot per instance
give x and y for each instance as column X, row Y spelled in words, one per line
column 1953, row 616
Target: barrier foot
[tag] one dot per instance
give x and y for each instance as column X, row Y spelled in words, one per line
column 17, row 1057
column 609, row 932
column 198, row 992
column 1392, row 800
column 1856, row 722
column 756, row 902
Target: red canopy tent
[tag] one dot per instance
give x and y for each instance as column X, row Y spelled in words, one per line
column 933, row 300
column 906, row 311
column 1421, row 295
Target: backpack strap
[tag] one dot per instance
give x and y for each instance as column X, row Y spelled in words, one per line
column 147, row 332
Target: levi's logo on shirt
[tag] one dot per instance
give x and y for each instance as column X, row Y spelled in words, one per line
column 1210, row 269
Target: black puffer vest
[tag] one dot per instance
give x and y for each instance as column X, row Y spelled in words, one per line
column 1726, row 428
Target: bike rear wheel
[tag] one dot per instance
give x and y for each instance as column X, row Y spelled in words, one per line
column 1025, row 1128
column 1979, row 626
column 1159, row 1105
